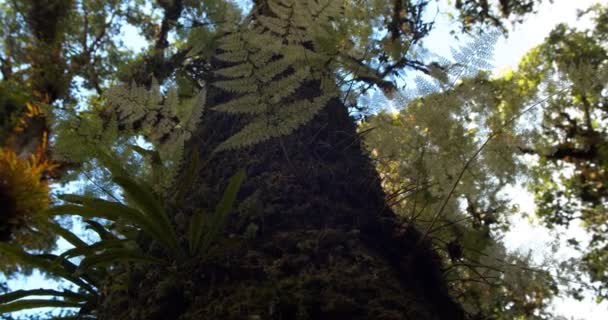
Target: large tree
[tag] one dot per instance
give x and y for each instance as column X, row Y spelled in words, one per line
column 311, row 235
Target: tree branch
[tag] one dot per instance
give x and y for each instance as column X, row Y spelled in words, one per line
column 5, row 68
column 375, row 77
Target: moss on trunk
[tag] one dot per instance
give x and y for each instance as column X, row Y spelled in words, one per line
column 312, row 237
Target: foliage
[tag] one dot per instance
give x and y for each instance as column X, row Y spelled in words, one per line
column 126, row 113
column 492, row 13
column 424, row 148
column 420, row 152
column 570, row 177
column 270, row 62
column 118, row 247
column 23, row 190
column 87, row 281
column 80, row 48
column 275, row 68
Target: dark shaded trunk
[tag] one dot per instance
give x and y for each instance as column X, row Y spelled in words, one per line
column 311, row 237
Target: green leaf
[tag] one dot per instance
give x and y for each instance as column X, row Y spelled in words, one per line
column 234, row 184
column 98, row 208
column 37, row 303
column 66, row 294
column 145, row 199
column 93, row 249
column 218, row 218
column 112, row 256
column 189, row 176
column 103, row 233
column 46, row 264
column 67, row 235
column 196, row 230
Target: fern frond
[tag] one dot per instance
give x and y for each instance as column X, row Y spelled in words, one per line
column 299, row 112
column 165, row 121
column 275, row 25
column 269, row 67
column 232, row 56
column 247, row 104
column 236, row 71
column 280, row 8
column 287, row 85
column 242, row 85
column 269, row 71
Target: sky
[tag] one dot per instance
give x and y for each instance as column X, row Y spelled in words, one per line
column 526, row 235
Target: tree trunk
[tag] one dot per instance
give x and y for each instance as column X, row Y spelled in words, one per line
column 310, row 238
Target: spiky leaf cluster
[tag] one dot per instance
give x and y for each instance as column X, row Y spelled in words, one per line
column 23, row 193
column 268, row 62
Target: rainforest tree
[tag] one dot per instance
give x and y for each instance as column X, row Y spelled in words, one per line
column 252, row 197
column 542, row 125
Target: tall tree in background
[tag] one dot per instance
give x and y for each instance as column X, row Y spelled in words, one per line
column 312, row 236
column 571, row 144
column 551, row 109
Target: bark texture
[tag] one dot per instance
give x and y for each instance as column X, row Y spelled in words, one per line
column 311, row 237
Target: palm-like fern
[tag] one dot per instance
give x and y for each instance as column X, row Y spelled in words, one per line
column 145, row 214
column 87, row 282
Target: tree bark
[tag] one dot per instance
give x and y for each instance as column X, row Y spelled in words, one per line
column 310, row 238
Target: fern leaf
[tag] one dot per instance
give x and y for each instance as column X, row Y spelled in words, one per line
column 273, row 24
column 252, row 133
column 279, row 8
column 269, row 71
column 278, row 57
column 247, row 104
column 297, row 113
column 237, row 85
column 233, row 56
column 288, row 85
column 236, row 71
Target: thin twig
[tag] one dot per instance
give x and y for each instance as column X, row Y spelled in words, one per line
column 104, row 190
